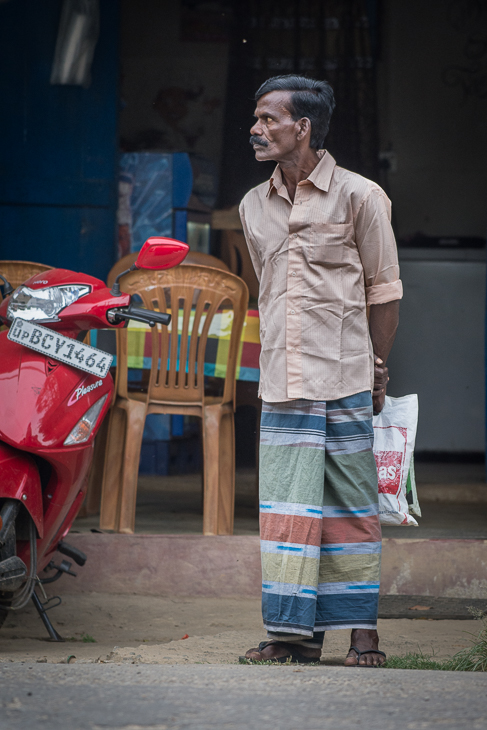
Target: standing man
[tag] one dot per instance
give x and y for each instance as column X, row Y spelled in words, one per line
column 323, row 249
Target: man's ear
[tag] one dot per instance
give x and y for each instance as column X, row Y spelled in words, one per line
column 304, row 128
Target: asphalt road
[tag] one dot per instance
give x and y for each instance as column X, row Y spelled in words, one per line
column 204, row 697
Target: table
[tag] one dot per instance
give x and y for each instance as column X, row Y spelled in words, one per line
column 139, row 359
column 139, row 345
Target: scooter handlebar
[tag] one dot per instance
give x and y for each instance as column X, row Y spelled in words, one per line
column 148, row 316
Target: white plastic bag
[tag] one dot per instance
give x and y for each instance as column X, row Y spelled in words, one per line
column 394, row 437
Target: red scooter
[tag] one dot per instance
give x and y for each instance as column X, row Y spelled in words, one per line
column 55, row 391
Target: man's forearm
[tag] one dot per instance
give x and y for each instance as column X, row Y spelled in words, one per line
column 383, row 322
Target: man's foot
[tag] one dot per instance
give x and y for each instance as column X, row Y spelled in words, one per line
column 275, row 650
column 364, row 640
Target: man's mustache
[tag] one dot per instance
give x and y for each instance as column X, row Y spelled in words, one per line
column 258, row 140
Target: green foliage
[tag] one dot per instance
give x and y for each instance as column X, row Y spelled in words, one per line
column 268, row 662
column 471, row 659
column 413, row 661
column 87, row 639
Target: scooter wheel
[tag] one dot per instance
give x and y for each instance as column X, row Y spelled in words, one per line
column 5, row 601
column 7, row 551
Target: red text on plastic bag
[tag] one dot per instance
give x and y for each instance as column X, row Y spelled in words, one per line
column 389, row 470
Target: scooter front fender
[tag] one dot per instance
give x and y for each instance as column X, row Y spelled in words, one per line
column 19, row 479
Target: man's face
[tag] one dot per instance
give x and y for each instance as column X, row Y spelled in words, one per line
column 274, row 134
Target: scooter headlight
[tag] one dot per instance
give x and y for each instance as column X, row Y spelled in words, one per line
column 43, row 305
column 82, row 431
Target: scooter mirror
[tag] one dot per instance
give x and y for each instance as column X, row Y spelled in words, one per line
column 161, row 253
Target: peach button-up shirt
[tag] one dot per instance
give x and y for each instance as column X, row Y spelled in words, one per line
column 320, row 261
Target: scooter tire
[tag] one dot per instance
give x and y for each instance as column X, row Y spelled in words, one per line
column 5, row 599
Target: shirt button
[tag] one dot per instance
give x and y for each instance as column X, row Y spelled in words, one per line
column 293, row 273
column 292, row 311
column 293, row 349
column 295, row 235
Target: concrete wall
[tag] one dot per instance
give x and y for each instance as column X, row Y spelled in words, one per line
column 194, row 565
column 438, row 133
column 169, row 86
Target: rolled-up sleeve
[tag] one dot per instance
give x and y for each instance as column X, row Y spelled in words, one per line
column 250, row 244
column 377, row 247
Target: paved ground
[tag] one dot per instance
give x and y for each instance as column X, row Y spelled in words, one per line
column 140, row 674
column 34, row 697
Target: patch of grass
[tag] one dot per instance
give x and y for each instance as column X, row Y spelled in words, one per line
column 474, row 658
column 265, row 663
column 287, row 663
column 87, row 639
column 413, row 661
column 471, row 659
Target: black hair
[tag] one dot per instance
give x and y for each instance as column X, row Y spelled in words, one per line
column 310, row 98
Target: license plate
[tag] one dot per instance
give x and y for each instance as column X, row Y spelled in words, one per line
column 65, row 349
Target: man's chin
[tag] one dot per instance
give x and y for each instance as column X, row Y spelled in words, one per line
column 262, row 154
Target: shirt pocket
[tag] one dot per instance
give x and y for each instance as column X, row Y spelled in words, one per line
column 330, row 243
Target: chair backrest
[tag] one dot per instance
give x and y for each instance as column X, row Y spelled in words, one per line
column 235, row 253
column 16, row 272
column 193, row 294
column 193, row 257
column 204, row 259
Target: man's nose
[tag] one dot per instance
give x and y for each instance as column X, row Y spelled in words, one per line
column 256, row 129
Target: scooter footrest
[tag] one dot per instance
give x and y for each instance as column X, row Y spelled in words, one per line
column 12, row 573
column 72, row 552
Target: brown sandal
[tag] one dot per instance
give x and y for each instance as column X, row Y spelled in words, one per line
column 361, row 653
column 294, row 656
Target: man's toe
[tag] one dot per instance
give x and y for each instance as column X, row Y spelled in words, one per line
column 374, row 660
column 367, row 659
column 351, row 659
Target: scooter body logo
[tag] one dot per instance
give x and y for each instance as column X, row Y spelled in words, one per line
column 83, row 390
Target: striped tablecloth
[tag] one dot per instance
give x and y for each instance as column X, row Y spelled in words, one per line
column 139, row 345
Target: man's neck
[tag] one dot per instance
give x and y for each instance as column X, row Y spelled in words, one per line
column 298, row 169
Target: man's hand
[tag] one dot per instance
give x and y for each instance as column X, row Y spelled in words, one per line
column 381, row 378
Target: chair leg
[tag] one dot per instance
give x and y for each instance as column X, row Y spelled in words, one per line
column 91, row 505
column 112, row 471
column 219, row 471
column 227, row 474
column 136, row 414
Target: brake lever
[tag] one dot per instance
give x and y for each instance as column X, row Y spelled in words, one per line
column 115, row 316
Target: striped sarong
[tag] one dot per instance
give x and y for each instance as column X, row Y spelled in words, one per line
column 319, row 524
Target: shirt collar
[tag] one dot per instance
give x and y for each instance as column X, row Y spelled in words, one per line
column 320, row 176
